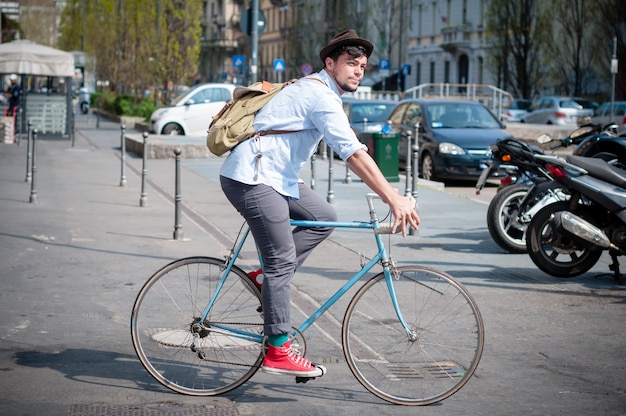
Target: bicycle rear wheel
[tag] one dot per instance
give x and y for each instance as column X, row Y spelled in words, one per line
column 432, row 362
column 179, row 351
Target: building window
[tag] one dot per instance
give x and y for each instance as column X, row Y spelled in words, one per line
column 418, row 73
column 432, row 72
column 446, row 72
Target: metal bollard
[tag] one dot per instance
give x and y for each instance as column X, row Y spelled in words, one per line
column 97, row 119
column 123, row 155
column 178, row 228
column 28, row 153
column 331, row 193
column 407, row 182
column 144, row 196
column 313, row 158
column 19, row 126
column 73, row 129
column 33, row 190
column 416, row 157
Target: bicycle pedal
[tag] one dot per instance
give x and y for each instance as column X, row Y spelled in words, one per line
column 303, row 379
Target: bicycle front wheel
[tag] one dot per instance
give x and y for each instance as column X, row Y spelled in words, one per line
column 184, row 354
column 427, row 363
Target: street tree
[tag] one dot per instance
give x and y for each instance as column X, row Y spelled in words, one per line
column 136, row 44
column 518, row 32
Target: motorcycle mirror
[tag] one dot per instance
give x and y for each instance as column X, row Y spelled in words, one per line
column 583, row 121
column 544, row 138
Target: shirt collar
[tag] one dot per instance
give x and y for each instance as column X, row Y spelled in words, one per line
column 325, row 77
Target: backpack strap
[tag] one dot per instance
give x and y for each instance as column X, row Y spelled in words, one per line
column 268, row 86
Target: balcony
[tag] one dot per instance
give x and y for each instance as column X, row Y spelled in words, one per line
column 455, row 37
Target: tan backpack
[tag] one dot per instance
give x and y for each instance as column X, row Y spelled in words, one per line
column 233, row 124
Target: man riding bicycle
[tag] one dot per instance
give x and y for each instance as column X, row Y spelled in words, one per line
column 260, row 179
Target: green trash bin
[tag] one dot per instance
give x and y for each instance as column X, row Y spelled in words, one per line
column 383, row 147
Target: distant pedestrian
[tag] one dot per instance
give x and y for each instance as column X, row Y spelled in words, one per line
column 13, row 94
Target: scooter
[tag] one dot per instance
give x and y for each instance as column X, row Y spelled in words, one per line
column 84, row 100
column 512, row 208
column 567, row 238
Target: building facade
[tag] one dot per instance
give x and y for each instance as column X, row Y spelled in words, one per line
column 437, row 41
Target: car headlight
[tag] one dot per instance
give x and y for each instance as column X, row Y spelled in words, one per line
column 450, row 149
column 157, row 114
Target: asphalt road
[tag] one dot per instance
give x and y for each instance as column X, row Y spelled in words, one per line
column 72, row 264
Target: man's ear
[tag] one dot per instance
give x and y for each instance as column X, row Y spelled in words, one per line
column 328, row 62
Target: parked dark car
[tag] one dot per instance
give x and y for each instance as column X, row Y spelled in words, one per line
column 455, row 136
column 367, row 116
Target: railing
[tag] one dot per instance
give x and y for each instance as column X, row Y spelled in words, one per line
column 494, row 98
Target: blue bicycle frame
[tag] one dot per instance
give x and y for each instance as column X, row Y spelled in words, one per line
column 380, row 257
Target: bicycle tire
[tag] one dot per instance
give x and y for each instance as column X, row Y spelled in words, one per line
column 167, row 307
column 448, row 337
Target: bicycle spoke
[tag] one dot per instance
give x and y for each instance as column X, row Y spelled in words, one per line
column 184, row 354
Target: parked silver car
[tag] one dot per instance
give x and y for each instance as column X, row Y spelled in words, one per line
column 559, row 110
column 602, row 115
column 518, row 109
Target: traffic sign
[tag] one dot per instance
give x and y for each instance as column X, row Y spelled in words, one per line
column 238, row 60
column 383, row 66
column 279, row 65
column 306, row 69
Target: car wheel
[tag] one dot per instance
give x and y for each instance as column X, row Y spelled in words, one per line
column 173, row 129
column 428, row 167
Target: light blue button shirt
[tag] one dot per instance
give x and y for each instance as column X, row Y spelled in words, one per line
column 310, row 106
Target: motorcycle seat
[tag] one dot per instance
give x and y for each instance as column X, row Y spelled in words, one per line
column 599, row 168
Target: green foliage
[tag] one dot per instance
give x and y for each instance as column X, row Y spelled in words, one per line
column 123, row 105
column 137, row 44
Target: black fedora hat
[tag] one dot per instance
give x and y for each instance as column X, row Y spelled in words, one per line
column 346, row 38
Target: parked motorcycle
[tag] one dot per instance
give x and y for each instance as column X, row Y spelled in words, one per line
column 512, row 208
column 567, row 238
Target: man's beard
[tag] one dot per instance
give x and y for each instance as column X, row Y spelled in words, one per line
column 347, row 87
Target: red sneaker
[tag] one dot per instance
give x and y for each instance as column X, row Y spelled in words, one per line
column 281, row 360
column 257, row 277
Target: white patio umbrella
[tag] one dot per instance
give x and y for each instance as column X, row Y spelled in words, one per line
column 28, row 58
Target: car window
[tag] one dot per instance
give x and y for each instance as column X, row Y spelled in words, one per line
column 570, row 104
column 520, row 105
column 210, row 95
column 413, row 114
column 546, row 103
column 455, row 115
column 605, row 107
column 587, row 104
column 620, row 109
column 373, row 112
column 398, row 112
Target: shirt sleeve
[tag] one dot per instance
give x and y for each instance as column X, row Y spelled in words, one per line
column 330, row 119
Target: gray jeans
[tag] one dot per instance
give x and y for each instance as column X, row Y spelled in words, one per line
column 282, row 247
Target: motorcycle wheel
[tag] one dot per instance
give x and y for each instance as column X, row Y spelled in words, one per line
column 84, row 108
column 555, row 253
column 503, row 219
